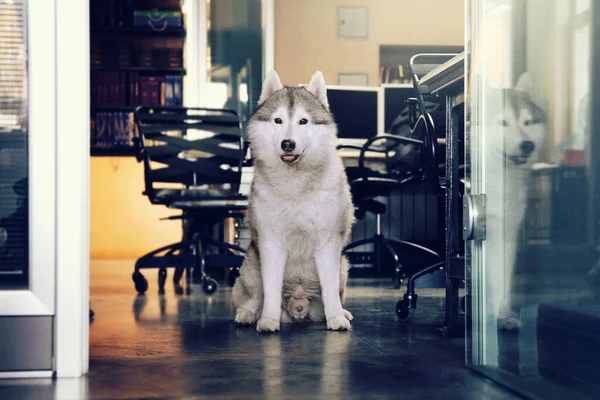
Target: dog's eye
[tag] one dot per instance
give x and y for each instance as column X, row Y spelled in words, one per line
column 503, row 122
column 278, row 121
column 303, row 121
column 532, row 121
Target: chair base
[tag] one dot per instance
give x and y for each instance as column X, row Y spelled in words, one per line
column 190, row 256
column 405, row 307
column 383, row 245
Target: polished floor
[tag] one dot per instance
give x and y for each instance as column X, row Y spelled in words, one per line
column 187, row 347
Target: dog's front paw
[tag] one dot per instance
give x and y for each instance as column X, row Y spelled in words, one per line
column 267, row 325
column 348, row 315
column 340, row 323
column 244, row 317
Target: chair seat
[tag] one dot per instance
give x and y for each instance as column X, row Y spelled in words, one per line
column 372, row 206
column 354, row 173
column 193, row 198
column 374, row 186
column 212, row 204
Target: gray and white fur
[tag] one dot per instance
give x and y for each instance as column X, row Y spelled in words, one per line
column 300, row 212
column 514, row 135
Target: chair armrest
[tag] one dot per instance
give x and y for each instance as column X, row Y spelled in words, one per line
column 394, row 138
column 359, row 148
column 348, row 146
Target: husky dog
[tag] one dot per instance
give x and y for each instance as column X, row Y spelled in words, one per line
column 513, row 140
column 300, row 212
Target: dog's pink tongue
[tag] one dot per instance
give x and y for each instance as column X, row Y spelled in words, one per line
column 288, row 158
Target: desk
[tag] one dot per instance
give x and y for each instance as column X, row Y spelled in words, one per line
column 448, row 80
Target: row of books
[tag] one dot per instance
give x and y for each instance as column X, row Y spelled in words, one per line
column 123, row 14
column 110, row 129
column 121, row 55
column 395, row 74
column 130, row 89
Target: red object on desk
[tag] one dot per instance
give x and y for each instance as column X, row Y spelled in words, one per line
column 574, row 158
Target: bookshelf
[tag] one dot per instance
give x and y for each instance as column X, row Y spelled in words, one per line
column 394, row 60
column 136, row 58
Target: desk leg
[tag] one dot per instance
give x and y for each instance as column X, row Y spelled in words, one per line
column 451, row 327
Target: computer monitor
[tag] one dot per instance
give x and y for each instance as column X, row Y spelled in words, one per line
column 358, row 112
column 394, row 101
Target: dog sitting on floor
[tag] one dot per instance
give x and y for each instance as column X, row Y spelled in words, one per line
column 300, row 212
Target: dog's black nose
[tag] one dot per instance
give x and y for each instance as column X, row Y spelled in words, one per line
column 299, row 308
column 288, row 145
column 527, row 146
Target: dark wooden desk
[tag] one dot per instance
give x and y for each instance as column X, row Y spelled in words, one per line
column 448, row 80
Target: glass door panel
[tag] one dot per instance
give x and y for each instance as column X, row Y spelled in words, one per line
column 235, row 55
column 534, row 159
column 14, row 215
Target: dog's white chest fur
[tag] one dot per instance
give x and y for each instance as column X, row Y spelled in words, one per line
column 300, row 221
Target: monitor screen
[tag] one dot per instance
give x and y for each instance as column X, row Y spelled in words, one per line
column 355, row 111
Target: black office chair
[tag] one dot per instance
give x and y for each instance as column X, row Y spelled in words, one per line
column 402, row 165
column 192, row 162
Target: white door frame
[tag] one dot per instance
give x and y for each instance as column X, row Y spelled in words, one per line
column 268, row 36
column 72, row 187
column 59, row 124
column 39, row 298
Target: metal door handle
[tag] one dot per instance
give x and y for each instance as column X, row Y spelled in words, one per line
column 474, row 217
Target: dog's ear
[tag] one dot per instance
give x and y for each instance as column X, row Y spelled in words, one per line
column 525, row 83
column 318, row 88
column 271, row 84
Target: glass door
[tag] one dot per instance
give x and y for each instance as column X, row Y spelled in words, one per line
column 235, row 48
column 27, row 187
column 533, row 144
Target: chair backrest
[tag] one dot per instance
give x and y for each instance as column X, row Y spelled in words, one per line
column 422, row 158
column 422, row 64
column 190, row 147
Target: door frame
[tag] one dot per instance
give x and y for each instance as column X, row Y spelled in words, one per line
column 57, row 34
column 39, row 298
column 71, row 327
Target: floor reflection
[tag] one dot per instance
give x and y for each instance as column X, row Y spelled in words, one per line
column 187, row 345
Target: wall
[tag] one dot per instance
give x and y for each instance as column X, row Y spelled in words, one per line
column 123, row 223
column 306, row 36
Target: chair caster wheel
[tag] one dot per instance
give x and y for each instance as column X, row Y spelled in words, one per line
column 405, row 308
column 233, row 275
column 141, row 284
column 209, row 285
column 162, row 278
